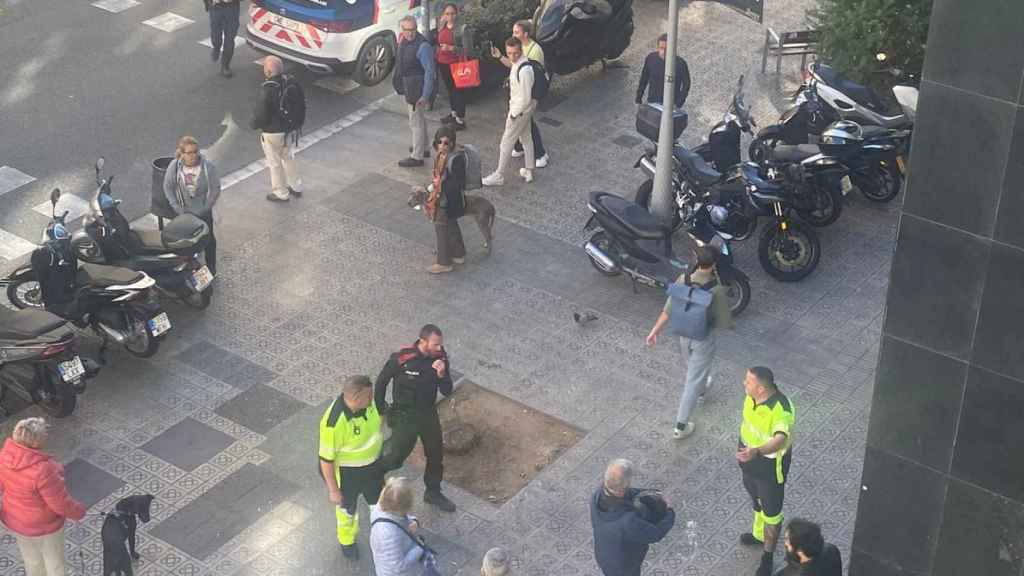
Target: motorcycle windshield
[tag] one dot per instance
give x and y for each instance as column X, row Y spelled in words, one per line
column 550, row 20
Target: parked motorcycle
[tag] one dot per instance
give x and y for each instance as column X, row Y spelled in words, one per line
column 577, row 33
column 820, row 182
column 630, row 240
column 116, row 303
column 824, row 98
column 56, row 373
column 788, row 250
column 172, row 257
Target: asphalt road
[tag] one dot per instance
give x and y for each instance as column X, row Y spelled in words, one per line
column 79, row 82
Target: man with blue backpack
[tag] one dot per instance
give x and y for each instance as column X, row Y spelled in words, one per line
column 697, row 308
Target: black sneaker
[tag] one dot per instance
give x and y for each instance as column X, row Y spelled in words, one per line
column 748, row 539
column 459, row 125
column 350, row 552
column 410, row 162
column 438, row 499
column 226, row 72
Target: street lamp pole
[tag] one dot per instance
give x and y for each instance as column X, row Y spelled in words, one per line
column 661, row 196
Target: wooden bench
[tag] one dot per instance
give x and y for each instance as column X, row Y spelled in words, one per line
column 799, row 43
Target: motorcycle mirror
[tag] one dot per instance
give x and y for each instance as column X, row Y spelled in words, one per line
column 99, row 164
column 54, row 196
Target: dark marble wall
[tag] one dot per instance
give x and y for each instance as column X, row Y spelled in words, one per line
column 943, row 481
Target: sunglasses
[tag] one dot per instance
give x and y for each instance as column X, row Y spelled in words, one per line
column 444, row 142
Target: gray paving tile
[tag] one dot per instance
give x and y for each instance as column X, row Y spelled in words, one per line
column 626, row 140
column 549, row 121
column 223, row 511
column 89, row 484
column 224, row 365
column 260, row 408
column 188, row 444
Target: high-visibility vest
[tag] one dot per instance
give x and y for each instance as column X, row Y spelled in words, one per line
column 350, row 440
column 762, row 421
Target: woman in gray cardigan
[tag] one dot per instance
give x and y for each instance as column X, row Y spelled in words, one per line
column 394, row 552
column 192, row 186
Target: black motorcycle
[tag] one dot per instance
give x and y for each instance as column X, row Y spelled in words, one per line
column 50, row 363
column 631, row 240
column 877, row 169
column 820, row 183
column 116, row 303
column 172, row 257
column 788, row 250
column 577, row 33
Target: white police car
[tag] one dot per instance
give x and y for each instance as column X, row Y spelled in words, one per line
column 331, row 36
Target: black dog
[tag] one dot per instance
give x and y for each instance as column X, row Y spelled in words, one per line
column 118, row 528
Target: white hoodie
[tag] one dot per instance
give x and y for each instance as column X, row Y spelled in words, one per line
column 520, row 82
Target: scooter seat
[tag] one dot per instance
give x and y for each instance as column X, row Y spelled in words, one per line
column 794, row 152
column 696, row 165
column 103, row 276
column 25, row 324
column 632, row 216
column 148, row 241
column 872, row 132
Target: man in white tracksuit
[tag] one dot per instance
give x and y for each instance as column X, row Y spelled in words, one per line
column 521, row 106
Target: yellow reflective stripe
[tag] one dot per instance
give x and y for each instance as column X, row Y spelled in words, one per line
column 772, row 520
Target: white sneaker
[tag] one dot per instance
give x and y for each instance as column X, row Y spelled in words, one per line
column 684, row 432
column 542, row 162
column 493, row 179
column 518, row 153
column 526, row 174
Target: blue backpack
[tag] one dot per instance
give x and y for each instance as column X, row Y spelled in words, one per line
column 690, row 316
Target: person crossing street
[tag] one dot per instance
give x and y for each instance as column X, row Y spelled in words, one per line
column 764, row 454
column 350, row 448
column 418, row 372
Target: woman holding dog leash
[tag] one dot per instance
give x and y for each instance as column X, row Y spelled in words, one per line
column 35, row 500
column 446, row 202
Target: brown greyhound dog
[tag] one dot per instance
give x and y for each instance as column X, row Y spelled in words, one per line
column 478, row 207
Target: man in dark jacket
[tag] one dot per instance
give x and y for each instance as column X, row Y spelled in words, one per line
column 807, row 554
column 419, row 372
column 284, row 174
column 415, row 77
column 653, row 75
column 621, row 534
column 224, row 16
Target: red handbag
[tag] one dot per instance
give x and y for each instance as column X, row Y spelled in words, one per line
column 466, row 74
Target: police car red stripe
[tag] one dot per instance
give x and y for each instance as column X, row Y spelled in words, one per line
column 305, row 36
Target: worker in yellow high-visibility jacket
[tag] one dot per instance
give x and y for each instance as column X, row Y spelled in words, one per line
column 350, row 446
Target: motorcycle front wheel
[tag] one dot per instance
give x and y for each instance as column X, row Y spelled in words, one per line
column 825, row 201
column 881, row 183
column 25, row 292
column 55, row 396
column 788, row 255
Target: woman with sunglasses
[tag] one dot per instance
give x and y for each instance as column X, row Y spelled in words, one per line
column 446, row 202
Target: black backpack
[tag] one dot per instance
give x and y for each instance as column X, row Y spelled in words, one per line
column 291, row 105
column 541, row 84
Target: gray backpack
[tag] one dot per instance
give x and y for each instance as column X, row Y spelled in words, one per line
column 474, row 173
column 690, row 316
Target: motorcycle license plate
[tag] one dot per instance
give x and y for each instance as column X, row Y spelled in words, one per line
column 201, row 278
column 846, row 184
column 159, row 324
column 71, row 370
column 901, row 164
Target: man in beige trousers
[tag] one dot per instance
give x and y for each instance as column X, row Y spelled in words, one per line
column 521, row 106
column 284, row 174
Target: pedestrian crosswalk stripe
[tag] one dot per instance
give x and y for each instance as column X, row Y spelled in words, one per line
column 13, row 247
column 75, row 206
column 115, row 6
column 168, row 22
column 209, row 43
column 12, row 178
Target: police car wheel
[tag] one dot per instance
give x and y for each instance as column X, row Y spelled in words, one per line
column 375, row 61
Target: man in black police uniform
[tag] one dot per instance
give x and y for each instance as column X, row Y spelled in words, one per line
column 418, row 372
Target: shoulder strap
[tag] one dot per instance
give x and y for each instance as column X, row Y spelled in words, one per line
column 419, row 542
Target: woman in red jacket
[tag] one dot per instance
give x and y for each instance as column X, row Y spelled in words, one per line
column 35, row 500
